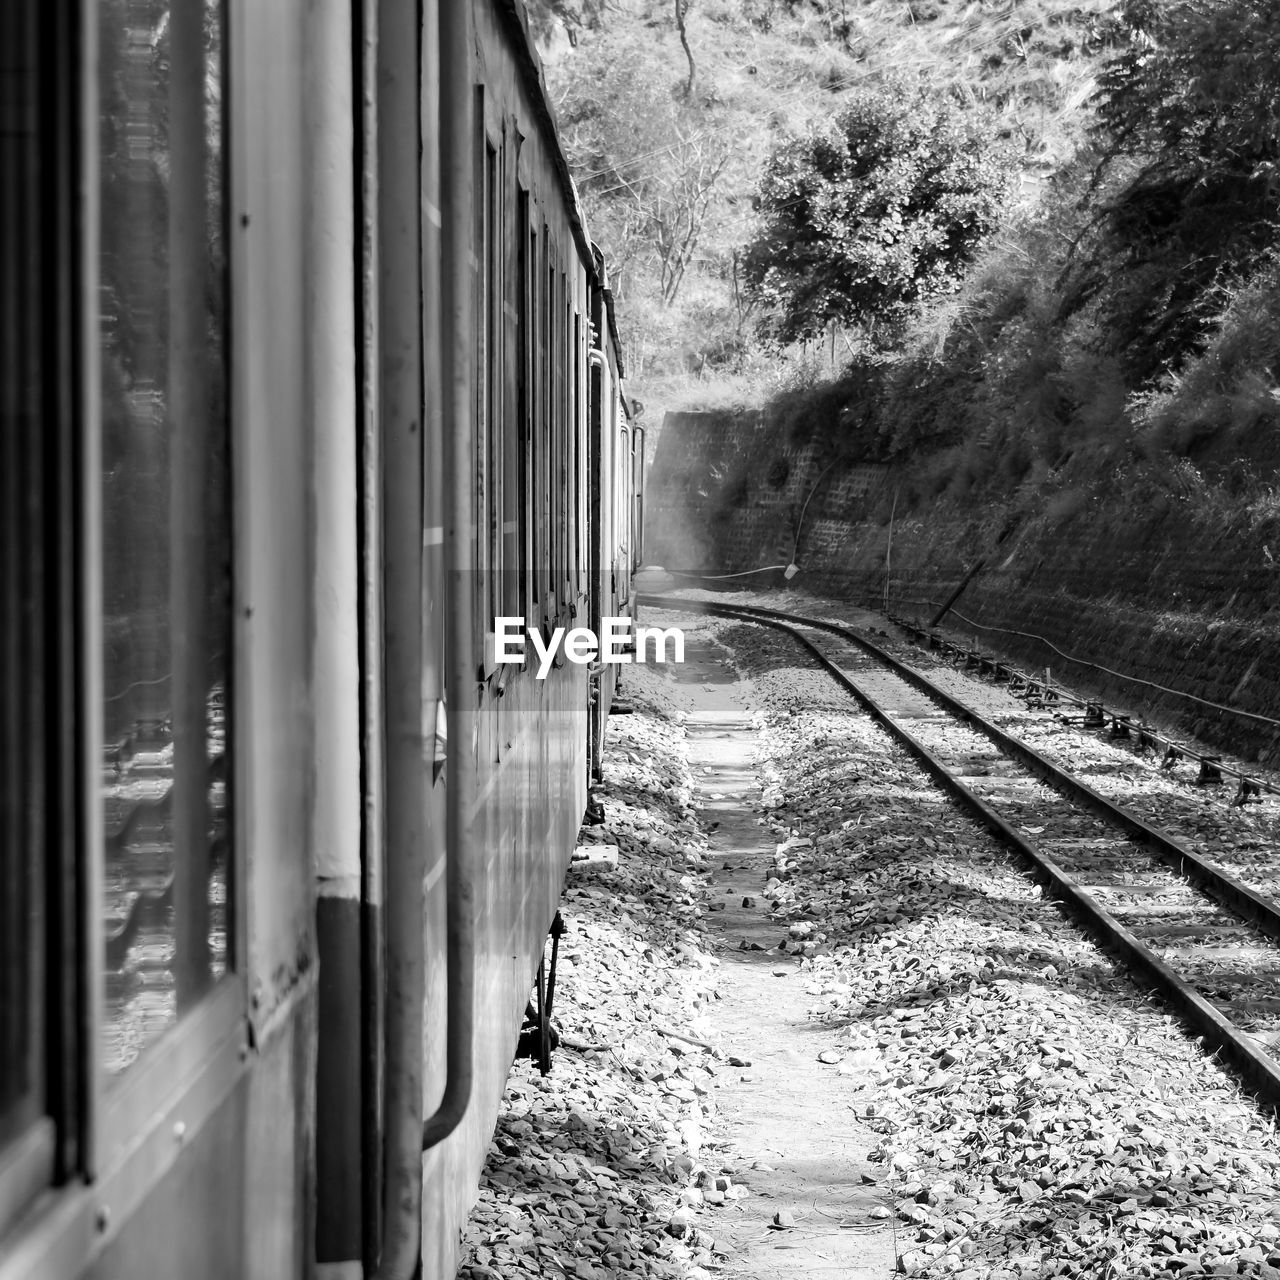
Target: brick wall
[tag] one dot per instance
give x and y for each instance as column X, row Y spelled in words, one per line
column 723, row 495
column 1141, row 589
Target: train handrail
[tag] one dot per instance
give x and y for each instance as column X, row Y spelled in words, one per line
column 457, row 430
column 407, row 827
column 408, row 1135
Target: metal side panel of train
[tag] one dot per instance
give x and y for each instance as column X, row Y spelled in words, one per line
column 308, row 374
column 531, row 266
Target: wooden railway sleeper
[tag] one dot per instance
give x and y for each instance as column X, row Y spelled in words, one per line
column 1209, row 771
column 1093, row 718
column 1121, row 724
column 1247, row 793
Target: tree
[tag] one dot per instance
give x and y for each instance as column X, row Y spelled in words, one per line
column 1196, row 83
column 650, row 165
column 682, row 8
column 871, row 215
column 573, row 17
column 1189, row 126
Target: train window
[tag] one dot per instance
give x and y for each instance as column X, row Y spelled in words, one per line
column 555, row 530
column 485, row 364
column 527, row 255
column 579, row 486
column 493, row 407
column 562, row 416
column 165, row 535
column 479, row 263
column 535, row 418
column 23, row 743
column 622, row 510
column 549, row 415
column 570, row 445
column 508, row 393
column 540, row 426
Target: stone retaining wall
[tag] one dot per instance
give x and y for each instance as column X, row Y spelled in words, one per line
column 1144, row 591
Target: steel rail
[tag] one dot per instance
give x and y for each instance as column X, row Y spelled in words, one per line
column 1257, row 1069
column 1225, row 888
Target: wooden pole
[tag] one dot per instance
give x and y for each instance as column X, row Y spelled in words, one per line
column 888, row 550
column 955, row 595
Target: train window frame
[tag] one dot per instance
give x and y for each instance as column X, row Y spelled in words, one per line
column 579, row 436
column 113, row 1139
column 494, row 408
column 555, row 522
column 190, row 1065
column 38, row 239
column 568, row 482
column 485, row 276
column 509, row 595
column 537, row 242
column 561, row 477
column 547, row 490
column 622, row 507
column 524, row 395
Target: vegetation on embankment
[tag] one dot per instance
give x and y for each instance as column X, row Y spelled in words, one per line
column 1125, row 330
column 1118, row 331
column 668, row 147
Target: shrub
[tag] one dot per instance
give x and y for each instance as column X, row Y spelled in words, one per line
column 868, row 216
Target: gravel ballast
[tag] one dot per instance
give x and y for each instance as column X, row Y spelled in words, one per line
column 587, row 1169
column 1029, row 1111
column 1039, row 1115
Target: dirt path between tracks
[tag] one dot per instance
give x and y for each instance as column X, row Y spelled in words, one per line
column 796, row 1143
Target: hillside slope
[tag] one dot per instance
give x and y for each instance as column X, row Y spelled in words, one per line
column 667, row 146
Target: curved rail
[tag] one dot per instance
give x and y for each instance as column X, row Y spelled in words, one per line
column 1258, row 1070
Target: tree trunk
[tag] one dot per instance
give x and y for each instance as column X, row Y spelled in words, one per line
column 681, row 6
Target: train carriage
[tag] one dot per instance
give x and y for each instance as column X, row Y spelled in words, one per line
column 310, row 375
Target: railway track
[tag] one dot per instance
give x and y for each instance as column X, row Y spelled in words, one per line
column 1206, row 941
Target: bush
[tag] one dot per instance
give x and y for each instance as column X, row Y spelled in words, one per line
column 1188, row 179
column 868, row 216
column 1229, row 390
